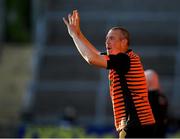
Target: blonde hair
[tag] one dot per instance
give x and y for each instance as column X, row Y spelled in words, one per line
column 124, row 32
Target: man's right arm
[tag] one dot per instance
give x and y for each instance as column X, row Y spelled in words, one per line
column 89, row 52
column 85, row 48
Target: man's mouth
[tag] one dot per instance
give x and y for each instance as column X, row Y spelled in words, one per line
column 108, row 48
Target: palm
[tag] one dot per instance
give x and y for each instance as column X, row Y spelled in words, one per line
column 72, row 30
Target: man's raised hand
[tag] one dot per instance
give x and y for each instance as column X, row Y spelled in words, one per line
column 73, row 23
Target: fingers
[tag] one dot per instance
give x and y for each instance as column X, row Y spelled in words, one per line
column 72, row 19
column 77, row 18
column 65, row 21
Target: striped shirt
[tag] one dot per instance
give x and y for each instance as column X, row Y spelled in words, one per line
column 128, row 91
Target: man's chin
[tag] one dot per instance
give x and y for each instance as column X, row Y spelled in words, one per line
column 109, row 52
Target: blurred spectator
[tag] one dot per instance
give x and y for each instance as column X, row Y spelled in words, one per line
column 26, row 118
column 158, row 103
column 69, row 117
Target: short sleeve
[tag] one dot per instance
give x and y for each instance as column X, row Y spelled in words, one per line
column 120, row 62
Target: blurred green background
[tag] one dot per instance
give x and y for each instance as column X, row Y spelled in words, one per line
column 18, row 21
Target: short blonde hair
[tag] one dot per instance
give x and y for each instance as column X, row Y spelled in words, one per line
column 152, row 80
column 124, row 32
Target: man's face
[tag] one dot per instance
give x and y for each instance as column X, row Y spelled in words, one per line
column 114, row 42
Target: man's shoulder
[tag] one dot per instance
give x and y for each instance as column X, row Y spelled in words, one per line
column 132, row 54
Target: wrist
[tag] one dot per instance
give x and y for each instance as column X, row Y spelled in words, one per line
column 76, row 35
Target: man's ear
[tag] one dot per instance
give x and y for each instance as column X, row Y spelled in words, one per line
column 125, row 42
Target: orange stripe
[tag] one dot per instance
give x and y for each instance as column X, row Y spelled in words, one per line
column 117, row 92
column 118, row 95
column 140, row 87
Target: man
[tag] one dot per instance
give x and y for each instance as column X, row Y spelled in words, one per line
column 158, row 101
column 132, row 112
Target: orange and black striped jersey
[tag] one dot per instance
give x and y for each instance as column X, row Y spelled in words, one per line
column 128, row 91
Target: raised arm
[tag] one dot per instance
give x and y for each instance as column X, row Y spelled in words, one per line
column 85, row 48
